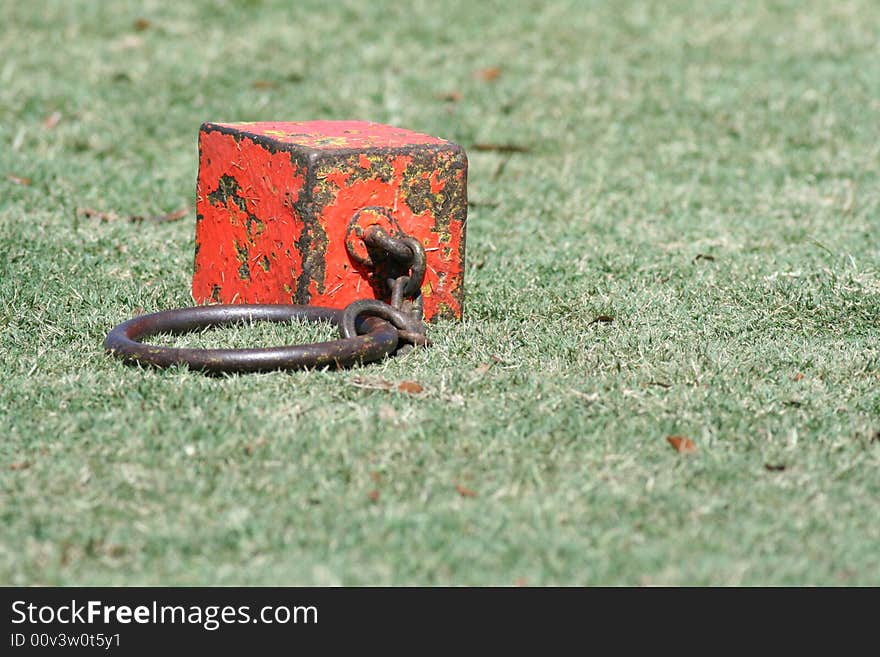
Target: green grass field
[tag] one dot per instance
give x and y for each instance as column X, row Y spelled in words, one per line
column 706, row 173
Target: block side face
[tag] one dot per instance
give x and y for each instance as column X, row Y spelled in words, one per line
column 425, row 191
column 332, row 135
column 249, row 203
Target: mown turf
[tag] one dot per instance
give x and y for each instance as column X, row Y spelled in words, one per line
column 704, row 173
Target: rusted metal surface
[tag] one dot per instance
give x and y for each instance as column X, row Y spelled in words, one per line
column 283, row 210
column 372, row 339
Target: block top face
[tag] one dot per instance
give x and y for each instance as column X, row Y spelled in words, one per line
column 330, row 135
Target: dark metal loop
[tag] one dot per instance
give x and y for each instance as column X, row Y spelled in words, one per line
column 397, row 285
column 372, row 340
column 370, row 329
column 406, row 249
column 418, row 267
column 408, row 326
column 379, row 239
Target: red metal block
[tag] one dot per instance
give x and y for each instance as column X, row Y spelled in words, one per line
column 281, row 210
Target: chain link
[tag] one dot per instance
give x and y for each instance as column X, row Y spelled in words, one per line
column 405, row 308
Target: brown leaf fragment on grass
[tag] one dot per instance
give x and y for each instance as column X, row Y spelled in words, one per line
column 797, row 377
column 450, row 96
column 142, row 24
column 263, row 84
column 489, row 74
column 601, row 319
column 249, row 448
column 18, row 180
column 682, row 445
column 116, row 551
column 89, row 213
column 775, row 467
column 500, row 148
column 168, row 217
column 409, row 387
column 373, row 495
column 20, row 465
column 465, row 492
column 51, row 121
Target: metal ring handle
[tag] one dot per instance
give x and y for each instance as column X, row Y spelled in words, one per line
column 409, row 328
column 378, row 340
column 406, row 249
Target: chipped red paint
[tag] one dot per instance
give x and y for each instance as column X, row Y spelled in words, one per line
column 333, row 135
column 275, row 201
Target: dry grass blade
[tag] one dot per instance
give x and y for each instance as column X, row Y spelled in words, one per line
column 370, row 383
column 51, row 121
column 500, row 148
